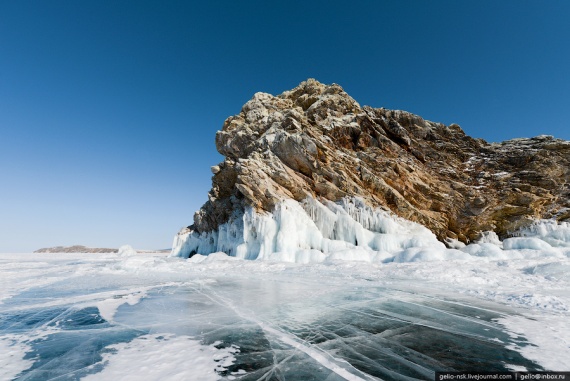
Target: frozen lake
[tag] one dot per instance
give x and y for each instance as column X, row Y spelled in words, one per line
column 151, row 317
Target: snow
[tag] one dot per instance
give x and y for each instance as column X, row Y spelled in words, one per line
column 428, row 254
column 12, row 358
column 549, row 338
column 520, row 243
column 488, row 250
column 108, row 307
column 126, row 250
column 555, row 234
column 490, row 237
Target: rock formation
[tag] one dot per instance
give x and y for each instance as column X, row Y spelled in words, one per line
column 316, row 141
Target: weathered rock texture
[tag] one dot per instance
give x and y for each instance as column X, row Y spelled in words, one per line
column 315, row 140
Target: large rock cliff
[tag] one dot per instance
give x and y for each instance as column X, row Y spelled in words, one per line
column 316, row 141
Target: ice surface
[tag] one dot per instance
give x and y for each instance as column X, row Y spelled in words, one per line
column 315, row 291
column 152, row 316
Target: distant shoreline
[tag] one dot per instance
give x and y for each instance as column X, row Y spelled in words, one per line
column 88, row 250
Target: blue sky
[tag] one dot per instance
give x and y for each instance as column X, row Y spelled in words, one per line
column 108, row 109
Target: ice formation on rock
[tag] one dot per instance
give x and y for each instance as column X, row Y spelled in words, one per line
column 310, row 231
column 315, row 231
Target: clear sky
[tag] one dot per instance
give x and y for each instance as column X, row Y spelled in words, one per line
column 108, row 109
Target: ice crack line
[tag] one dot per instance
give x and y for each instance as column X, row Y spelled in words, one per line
column 321, row 357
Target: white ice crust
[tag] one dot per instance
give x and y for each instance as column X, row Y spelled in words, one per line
column 314, row 232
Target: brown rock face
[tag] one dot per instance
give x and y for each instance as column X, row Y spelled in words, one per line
column 315, row 140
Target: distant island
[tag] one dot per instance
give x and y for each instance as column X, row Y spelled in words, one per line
column 75, row 249
column 85, row 249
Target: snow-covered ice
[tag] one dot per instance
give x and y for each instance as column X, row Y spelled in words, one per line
column 336, row 292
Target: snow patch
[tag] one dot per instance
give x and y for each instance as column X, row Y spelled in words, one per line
column 108, row 307
column 126, row 250
column 548, row 335
column 164, row 357
column 12, row 360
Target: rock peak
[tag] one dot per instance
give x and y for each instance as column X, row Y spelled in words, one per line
column 317, row 141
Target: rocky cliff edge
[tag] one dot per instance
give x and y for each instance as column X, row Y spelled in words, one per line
column 316, row 141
